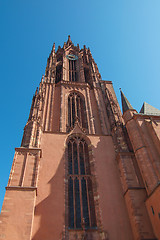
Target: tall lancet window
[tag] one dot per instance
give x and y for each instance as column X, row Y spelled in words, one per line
column 80, row 192
column 76, row 111
column 73, row 77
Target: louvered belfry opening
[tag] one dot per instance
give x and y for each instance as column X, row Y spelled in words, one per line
column 72, row 71
column 59, row 68
column 76, row 111
column 80, row 192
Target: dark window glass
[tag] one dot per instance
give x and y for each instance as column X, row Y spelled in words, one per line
column 77, row 204
column 85, row 203
column 76, row 111
column 58, row 73
column 70, row 158
column 75, row 157
column 72, row 71
column 80, row 190
column 152, row 210
column 81, row 158
column 71, row 206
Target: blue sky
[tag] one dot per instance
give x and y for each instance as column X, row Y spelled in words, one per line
column 123, row 36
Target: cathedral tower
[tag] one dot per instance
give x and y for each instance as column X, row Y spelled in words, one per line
column 82, row 171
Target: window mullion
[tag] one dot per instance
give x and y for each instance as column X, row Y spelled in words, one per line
column 79, row 172
column 81, row 204
column 74, row 203
column 70, row 70
column 87, row 189
column 72, row 160
column 74, row 71
column 80, row 187
column 80, row 113
column 75, row 99
column 84, row 159
column 71, row 111
column 70, row 78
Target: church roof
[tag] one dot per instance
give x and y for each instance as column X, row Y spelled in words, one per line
column 149, row 110
column 125, row 103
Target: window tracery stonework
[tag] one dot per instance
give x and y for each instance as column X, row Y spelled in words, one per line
column 80, row 193
column 83, row 216
column 76, row 111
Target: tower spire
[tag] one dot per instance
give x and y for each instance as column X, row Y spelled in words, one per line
column 53, row 48
column 125, row 103
column 69, row 42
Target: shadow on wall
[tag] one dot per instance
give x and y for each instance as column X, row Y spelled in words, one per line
column 50, row 214
column 50, row 211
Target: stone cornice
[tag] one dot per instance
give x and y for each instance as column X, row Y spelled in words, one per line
column 73, row 84
column 65, row 133
column 29, row 150
column 133, row 189
column 106, row 81
column 18, row 188
column 144, row 116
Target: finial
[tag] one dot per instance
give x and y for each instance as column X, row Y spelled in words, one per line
column 53, row 48
column 36, row 91
column 69, row 42
column 69, row 38
column 64, row 45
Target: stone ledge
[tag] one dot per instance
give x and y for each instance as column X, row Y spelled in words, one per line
column 106, row 81
column 31, row 150
column 18, row 188
column 133, row 188
column 27, row 149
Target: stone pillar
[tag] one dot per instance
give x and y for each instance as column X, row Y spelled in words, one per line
column 17, row 214
column 140, row 150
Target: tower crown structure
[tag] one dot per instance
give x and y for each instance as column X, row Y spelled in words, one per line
column 82, row 171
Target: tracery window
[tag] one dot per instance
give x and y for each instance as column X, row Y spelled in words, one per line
column 58, row 73
column 80, row 192
column 76, row 111
column 72, row 71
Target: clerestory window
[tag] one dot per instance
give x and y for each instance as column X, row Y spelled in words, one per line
column 80, row 191
column 76, row 111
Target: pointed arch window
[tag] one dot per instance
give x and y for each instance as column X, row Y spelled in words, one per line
column 80, row 192
column 76, row 111
column 72, row 71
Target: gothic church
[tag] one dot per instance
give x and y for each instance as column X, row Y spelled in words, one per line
column 84, row 170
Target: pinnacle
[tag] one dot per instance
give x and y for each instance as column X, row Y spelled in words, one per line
column 69, row 42
column 125, row 103
column 53, row 48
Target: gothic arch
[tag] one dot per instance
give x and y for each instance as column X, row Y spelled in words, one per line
column 80, row 187
column 72, row 66
column 76, row 110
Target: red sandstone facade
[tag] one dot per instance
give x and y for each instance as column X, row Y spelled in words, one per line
column 83, row 171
